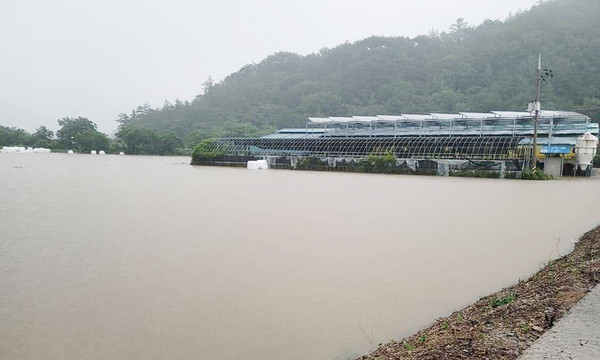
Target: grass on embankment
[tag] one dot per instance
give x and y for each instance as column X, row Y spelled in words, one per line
column 504, row 324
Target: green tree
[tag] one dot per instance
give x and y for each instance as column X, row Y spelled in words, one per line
column 91, row 140
column 132, row 138
column 167, row 142
column 459, row 29
column 70, row 128
column 43, row 137
column 208, row 85
column 14, row 137
column 147, row 141
column 193, row 138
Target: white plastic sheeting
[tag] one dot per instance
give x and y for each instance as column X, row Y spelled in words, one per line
column 417, row 117
column 342, row 119
column 512, row 114
column 477, row 115
column 445, row 165
column 319, row 120
column 12, row 149
column 257, row 165
column 23, row 150
column 443, row 116
column 552, row 113
column 365, row 118
column 412, row 164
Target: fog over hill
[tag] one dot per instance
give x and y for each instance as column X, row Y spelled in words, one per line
column 96, row 59
column 487, row 67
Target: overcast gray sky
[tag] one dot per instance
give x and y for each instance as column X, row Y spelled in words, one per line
column 100, row 58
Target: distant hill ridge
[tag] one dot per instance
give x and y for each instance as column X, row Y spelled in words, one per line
column 482, row 68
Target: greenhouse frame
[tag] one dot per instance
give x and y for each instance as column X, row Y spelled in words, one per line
column 497, row 141
column 463, row 147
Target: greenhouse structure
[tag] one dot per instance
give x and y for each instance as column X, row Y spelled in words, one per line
column 498, row 143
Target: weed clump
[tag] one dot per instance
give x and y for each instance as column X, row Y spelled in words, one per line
column 502, row 301
column 206, row 152
column 527, row 174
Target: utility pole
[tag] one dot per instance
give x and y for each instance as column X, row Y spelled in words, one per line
column 536, row 108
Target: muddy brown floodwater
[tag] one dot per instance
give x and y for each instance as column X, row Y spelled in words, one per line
column 108, row 257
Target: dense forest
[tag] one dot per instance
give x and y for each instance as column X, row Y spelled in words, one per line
column 468, row 68
column 487, row 67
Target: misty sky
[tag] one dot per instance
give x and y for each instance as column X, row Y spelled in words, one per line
column 100, row 58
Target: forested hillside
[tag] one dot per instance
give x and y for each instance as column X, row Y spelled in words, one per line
column 483, row 68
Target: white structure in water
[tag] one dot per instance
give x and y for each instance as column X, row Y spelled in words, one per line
column 22, row 150
column 257, row 165
column 93, row 152
column 121, row 153
column 70, row 152
column 12, row 149
column 585, row 150
column 101, row 152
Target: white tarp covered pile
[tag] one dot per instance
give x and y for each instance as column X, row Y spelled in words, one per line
column 257, row 165
column 20, row 149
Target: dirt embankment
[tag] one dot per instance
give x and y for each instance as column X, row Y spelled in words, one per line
column 502, row 325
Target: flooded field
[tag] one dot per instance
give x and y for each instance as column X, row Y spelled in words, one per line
column 107, row 257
